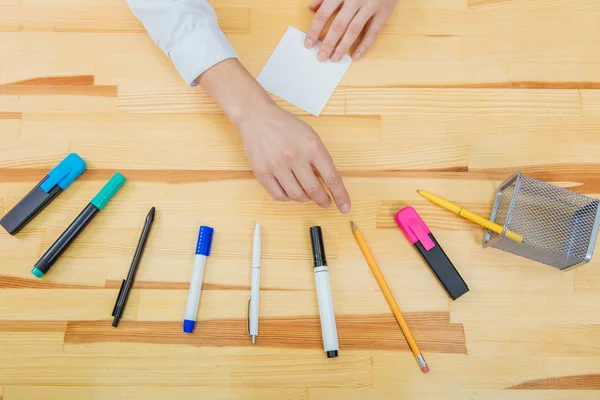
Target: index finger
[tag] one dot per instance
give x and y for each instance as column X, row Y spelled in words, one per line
column 333, row 181
column 311, row 185
column 322, row 16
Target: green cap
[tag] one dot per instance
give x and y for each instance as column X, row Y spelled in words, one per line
column 37, row 272
column 108, row 191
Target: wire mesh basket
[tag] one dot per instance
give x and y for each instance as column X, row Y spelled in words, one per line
column 559, row 227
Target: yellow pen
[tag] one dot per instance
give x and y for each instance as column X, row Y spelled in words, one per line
column 471, row 216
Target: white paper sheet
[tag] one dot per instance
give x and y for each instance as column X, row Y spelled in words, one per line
column 294, row 73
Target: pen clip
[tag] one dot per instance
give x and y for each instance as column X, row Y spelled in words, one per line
column 248, row 315
column 118, row 297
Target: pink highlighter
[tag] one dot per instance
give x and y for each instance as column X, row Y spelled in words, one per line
column 419, row 235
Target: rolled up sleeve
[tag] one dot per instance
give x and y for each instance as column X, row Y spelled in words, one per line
column 187, row 31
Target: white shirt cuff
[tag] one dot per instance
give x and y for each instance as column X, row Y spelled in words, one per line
column 199, row 51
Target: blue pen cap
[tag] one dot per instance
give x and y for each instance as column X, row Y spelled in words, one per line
column 205, row 236
column 64, row 173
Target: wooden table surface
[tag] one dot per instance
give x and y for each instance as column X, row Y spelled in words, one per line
column 455, row 96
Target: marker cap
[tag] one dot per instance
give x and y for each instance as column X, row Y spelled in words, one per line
column 205, row 236
column 37, row 272
column 414, row 228
column 108, row 191
column 316, row 239
column 188, row 325
column 64, row 173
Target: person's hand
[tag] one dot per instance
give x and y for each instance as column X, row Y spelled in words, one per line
column 285, row 152
column 353, row 17
column 286, row 155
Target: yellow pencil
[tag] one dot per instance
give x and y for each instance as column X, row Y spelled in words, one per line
column 389, row 297
column 471, row 216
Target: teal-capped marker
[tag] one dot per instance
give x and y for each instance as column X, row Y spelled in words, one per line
column 78, row 225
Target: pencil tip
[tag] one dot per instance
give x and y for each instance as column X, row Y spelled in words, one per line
column 353, row 225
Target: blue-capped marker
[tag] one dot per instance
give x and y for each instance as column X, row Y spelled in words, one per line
column 58, row 179
column 205, row 236
column 78, row 225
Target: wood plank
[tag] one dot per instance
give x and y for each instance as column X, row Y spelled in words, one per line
column 275, row 371
column 396, row 393
column 556, row 75
column 201, row 141
column 543, row 339
column 150, row 393
column 114, row 17
column 503, row 145
column 521, row 308
column 590, row 101
column 60, row 103
column 10, row 128
column 529, row 47
column 564, row 394
column 167, row 304
column 185, row 100
column 475, row 21
column 587, row 278
column 392, row 101
column 356, row 332
column 385, row 394
column 56, row 304
column 31, row 345
column 584, row 22
column 411, row 73
column 544, row 5
column 393, row 371
column 584, row 381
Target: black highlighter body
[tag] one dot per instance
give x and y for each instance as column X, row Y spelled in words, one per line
column 54, row 183
column 29, row 206
column 443, row 269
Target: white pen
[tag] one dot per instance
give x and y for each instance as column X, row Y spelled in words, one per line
column 203, row 245
column 328, row 328
column 255, row 288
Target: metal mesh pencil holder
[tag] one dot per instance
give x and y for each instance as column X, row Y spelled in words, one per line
column 558, row 227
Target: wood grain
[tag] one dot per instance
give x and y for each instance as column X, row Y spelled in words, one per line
column 578, row 382
column 376, row 332
column 454, row 96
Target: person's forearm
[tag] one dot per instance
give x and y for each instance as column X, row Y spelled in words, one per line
column 235, row 90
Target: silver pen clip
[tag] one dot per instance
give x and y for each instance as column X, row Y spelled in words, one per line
column 248, row 316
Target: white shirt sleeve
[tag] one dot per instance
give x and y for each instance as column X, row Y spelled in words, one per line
column 187, row 31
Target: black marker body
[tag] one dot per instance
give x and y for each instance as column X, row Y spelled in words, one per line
column 66, row 238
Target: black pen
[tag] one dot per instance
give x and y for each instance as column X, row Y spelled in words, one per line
column 127, row 283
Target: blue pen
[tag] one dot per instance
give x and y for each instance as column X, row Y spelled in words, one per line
column 203, row 245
